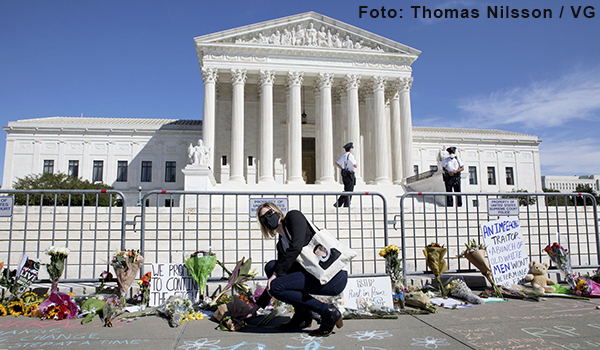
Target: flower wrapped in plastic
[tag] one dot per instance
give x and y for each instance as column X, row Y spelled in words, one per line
column 55, row 268
column 200, row 264
column 127, row 264
column 58, row 306
column 393, row 267
column 176, row 309
column 475, row 254
column 143, row 294
column 560, row 257
column 458, row 288
column 586, row 287
column 435, row 256
column 112, row 308
column 420, row 300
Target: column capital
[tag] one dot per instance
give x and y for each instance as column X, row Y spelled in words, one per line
column 295, row 78
column 209, row 75
column 267, row 77
column 352, row 81
column 405, row 83
column 238, row 76
column 325, row 80
column 378, row 82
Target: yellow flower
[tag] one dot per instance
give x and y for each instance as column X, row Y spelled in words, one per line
column 3, row 311
column 50, row 314
column 30, row 308
column 29, row 298
column 16, row 308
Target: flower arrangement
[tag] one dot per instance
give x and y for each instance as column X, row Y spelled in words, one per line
column 58, row 255
column 560, row 257
column 126, row 263
column 16, row 308
column 58, row 306
column 420, row 300
column 475, row 254
column 143, row 294
column 586, row 287
column 237, row 279
column 459, row 289
column 200, row 264
column 105, row 276
column 436, row 262
column 393, row 267
column 112, row 308
column 176, row 309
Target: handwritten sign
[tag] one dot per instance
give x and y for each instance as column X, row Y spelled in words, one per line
column 361, row 290
column 506, row 250
column 282, row 203
column 6, row 206
column 503, row 207
column 171, row 280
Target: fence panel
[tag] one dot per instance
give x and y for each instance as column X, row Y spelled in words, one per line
column 569, row 219
column 91, row 223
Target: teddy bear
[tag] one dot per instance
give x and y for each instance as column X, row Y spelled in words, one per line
column 538, row 279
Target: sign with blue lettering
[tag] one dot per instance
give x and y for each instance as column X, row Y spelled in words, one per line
column 503, row 207
column 360, row 291
column 506, row 250
column 6, row 206
column 282, row 203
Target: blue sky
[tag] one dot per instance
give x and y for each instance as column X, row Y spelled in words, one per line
column 137, row 59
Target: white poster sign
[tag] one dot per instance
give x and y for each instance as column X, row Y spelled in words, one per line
column 6, row 206
column 359, row 290
column 506, row 250
column 503, row 207
column 282, row 203
column 171, row 280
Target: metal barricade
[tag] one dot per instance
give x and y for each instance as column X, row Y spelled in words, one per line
column 224, row 223
column 569, row 219
column 91, row 223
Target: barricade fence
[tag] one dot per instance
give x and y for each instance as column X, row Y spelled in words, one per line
column 225, row 223
column 568, row 219
column 91, row 223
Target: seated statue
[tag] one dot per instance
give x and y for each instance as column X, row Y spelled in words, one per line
column 199, row 154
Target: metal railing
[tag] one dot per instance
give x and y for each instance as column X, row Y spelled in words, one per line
column 569, row 219
column 223, row 223
column 91, row 223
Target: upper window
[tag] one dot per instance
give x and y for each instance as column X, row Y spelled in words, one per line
column 74, row 168
column 170, row 171
column 416, row 169
column 491, row 172
column 472, row 175
column 146, row 171
column 98, row 169
column 48, row 166
column 510, row 176
column 122, row 171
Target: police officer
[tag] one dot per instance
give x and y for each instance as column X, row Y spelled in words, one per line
column 451, row 167
column 348, row 165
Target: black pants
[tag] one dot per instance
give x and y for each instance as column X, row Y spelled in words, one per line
column 349, row 180
column 453, row 184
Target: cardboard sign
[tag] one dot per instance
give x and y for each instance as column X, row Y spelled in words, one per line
column 171, row 280
column 503, row 207
column 6, row 206
column 254, row 203
column 507, row 254
column 359, row 290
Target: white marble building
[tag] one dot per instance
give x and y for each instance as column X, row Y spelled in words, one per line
column 280, row 99
column 568, row 184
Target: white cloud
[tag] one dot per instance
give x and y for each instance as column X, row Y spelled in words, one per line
column 570, row 157
column 574, row 96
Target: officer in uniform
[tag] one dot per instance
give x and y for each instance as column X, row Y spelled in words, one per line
column 451, row 167
column 348, row 165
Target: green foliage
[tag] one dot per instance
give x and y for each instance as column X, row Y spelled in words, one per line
column 557, row 200
column 61, row 181
column 524, row 200
column 585, row 200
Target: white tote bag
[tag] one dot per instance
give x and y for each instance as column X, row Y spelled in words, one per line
column 324, row 256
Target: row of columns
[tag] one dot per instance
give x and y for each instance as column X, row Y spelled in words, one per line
column 401, row 125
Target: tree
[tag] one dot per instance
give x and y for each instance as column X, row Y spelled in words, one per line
column 557, row 200
column 524, row 200
column 585, row 200
column 60, row 181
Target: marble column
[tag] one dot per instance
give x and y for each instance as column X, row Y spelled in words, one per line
column 266, row 80
column 352, row 82
column 381, row 140
column 406, row 125
column 396, row 134
column 209, row 76
column 294, row 80
column 318, row 154
column 238, row 79
column 327, row 168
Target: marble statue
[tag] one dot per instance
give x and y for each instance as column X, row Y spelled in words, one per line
column 199, row 154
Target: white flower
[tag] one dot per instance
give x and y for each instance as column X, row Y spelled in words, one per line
column 54, row 250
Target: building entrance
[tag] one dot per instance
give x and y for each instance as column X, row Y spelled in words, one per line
column 308, row 160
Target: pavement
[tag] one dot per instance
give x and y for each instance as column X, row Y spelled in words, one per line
column 554, row 323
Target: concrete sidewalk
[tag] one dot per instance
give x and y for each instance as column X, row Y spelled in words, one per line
column 550, row 324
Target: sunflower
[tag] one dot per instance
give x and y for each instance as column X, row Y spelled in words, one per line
column 16, row 308
column 30, row 298
column 51, row 313
column 31, row 308
column 3, row 311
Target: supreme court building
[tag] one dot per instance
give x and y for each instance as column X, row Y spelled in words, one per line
column 281, row 98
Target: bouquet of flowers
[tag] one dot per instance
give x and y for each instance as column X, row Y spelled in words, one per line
column 112, row 308
column 586, row 287
column 237, row 279
column 459, row 289
column 58, row 306
column 560, row 257
column 475, row 253
column 393, row 267
column 126, row 264
column 200, row 264
column 176, row 309
column 105, row 276
column 143, row 294
column 420, row 300
column 31, row 303
column 58, row 255
column 436, row 262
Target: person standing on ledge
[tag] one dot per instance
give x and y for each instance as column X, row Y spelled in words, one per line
column 451, row 167
column 348, row 165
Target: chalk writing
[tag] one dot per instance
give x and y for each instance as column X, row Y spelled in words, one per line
column 171, row 280
column 204, row 343
column 430, row 342
column 311, row 346
column 368, row 335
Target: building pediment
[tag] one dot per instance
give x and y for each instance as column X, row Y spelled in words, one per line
column 304, row 31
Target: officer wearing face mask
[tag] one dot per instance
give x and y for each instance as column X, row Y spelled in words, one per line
column 452, row 167
column 348, row 165
column 288, row 280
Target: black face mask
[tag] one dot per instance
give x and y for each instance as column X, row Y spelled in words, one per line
column 270, row 220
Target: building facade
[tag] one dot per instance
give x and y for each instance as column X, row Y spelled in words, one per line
column 568, row 184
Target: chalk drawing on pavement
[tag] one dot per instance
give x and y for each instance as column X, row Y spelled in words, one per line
column 313, row 345
column 204, row 343
column 369, row 335
column 305, row 338
column 430, row 342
